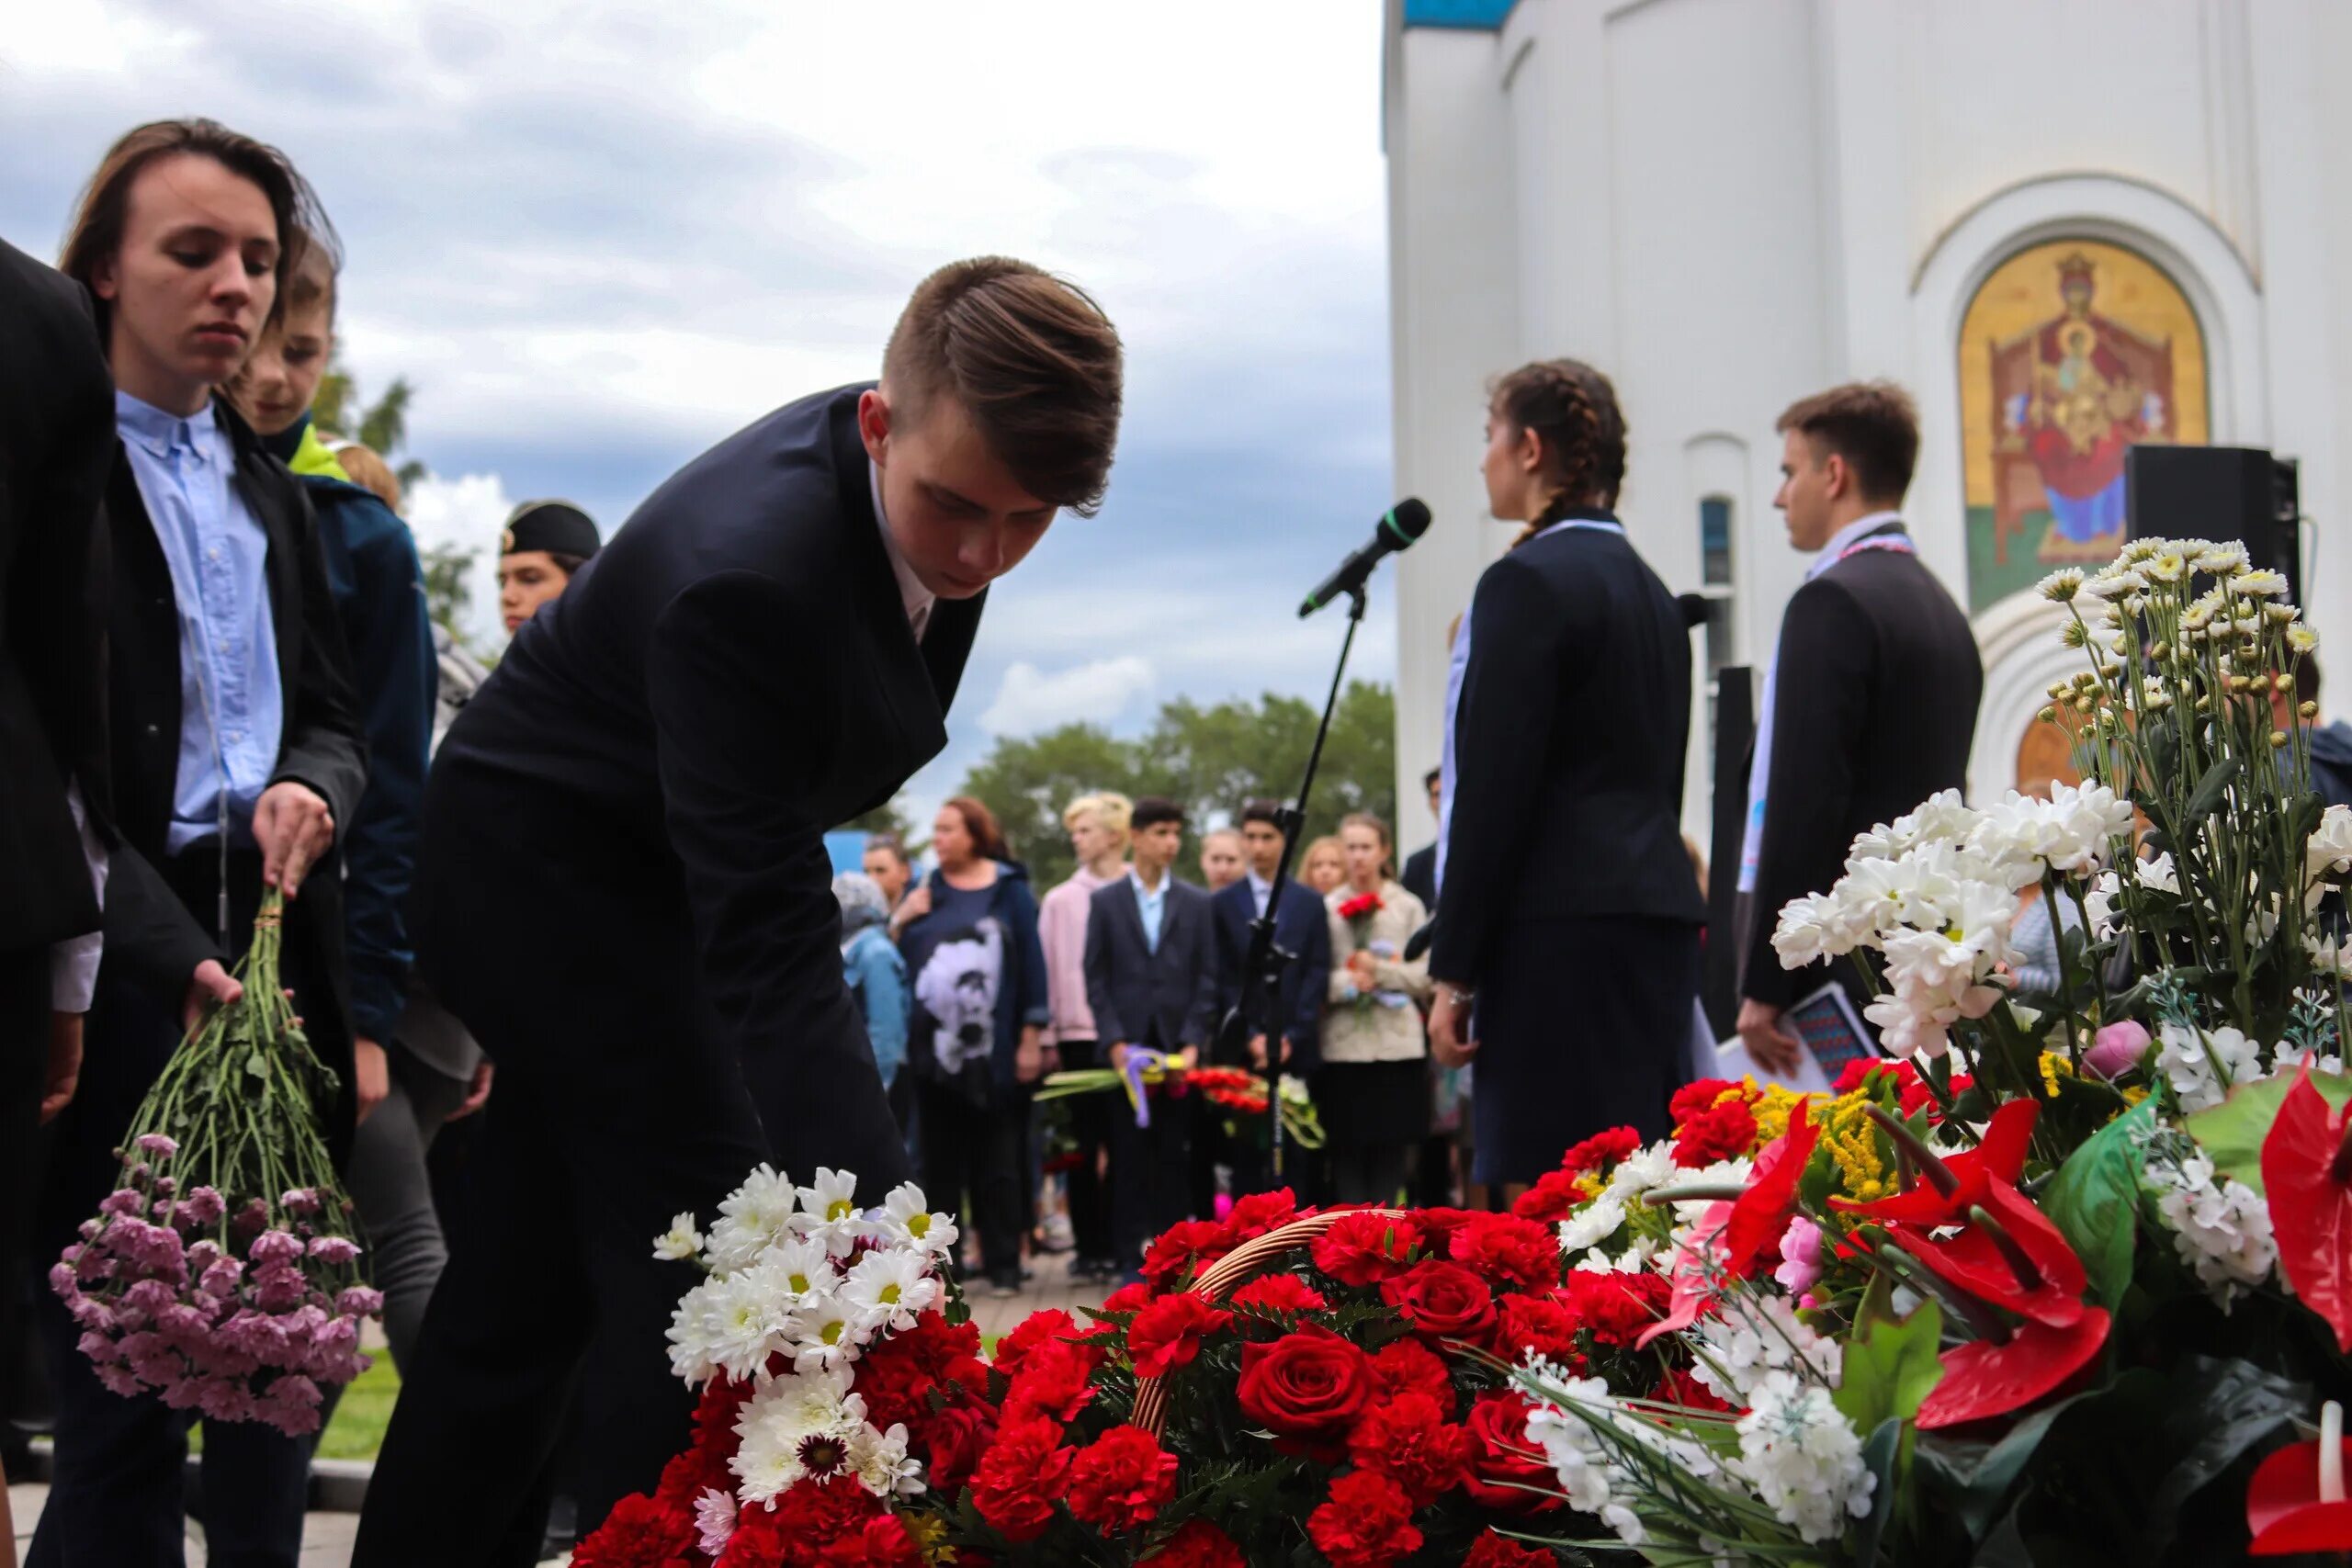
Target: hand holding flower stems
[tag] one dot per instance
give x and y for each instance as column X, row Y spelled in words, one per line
column 294, row 828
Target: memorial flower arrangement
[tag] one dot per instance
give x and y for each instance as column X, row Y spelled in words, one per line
column 222, row 1273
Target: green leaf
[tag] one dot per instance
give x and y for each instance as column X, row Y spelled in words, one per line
column 1879, row 1452
column 1975, row 1476
column 257, row 1065
column 2220, row 1410
column 2096, row 1199
column 1891, row 1366
column 2231, row 1132
column 2208, row 791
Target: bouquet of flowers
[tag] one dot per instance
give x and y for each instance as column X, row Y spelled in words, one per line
column 1231, row 1088
column 222, row 1273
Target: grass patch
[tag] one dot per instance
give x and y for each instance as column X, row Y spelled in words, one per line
column 357, row 1429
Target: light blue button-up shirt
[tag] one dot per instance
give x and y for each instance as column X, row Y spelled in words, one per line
column 1150, row 905
column 230, row 710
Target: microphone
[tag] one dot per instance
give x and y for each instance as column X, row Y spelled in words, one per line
column 1405, row 522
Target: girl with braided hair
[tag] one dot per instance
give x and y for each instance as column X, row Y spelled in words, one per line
column 1566, row 951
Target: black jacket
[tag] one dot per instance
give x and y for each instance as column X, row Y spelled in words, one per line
column 1301, row 928
column 154, row 938
column 1420, row 876
column 1569, row 749
column 729, row 677
column 1138, row 996
column 56, row 440
column 1876, row 690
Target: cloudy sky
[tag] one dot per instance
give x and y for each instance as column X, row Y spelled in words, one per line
column 599, row 237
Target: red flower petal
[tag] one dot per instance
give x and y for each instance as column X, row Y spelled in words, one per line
column 1982, row 1378
column 1971, row 1261
column 1999, row 1158
column 2311, row 1211
column 2286, row 1488
column 1761, row 1212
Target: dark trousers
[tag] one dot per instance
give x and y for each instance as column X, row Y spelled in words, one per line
column 982, row 1154
column 1151, row 1172
column 24, row 1056
column 616, row 1107
column 115, row 1501
column 389, row 1182
column 1090, row 1120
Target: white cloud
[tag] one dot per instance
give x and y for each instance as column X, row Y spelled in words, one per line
column 467, row 512
column 1029, row 700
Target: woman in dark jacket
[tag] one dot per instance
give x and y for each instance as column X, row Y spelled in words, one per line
column 969, row 934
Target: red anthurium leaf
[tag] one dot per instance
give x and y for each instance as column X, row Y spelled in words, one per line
column 2285, row 1487
column 1761, row 1212
column 1999, row 1158
column 1982, row 1378
column 2311, row 1211
column 1974, row 1262
column 1695, row 1276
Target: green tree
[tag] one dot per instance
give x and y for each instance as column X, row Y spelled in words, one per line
column 1212, row 759
column 383, row 427
column 447, row 592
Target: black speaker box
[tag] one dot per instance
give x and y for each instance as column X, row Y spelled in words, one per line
column 2218, row 492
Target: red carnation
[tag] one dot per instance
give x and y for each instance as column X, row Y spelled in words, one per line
column 1120, row 1480
column 1181, row 1250
column 897, row 1376
column 883, row 1543
column 1364, row 1247
column 1260, row 1212
column 1538, row 1321
column 704, row 1463
column 1167, row 1334
column 641, row 1532
column 1407, row 1366
column 1439, row 1226
column 1693, row 1097
column 1408, row 1441
column 1724, row 1133
column 1368, row 1523
column 1129, row 1298
column 1618, row 1306
column 1492, row 1551
column 951, row 1439
column 1199, row 1544
column 1038, row 1328
column 805, row 1520
column 1507, row 1472
column 1506, row 1250
column 1600, row 1151
column 1550, row 1199
column 1363, row 906
column 1308, row 1388
column 1442, row 1300
column 1018, row 1478
column 1279, row 1292
column 1055, row 1380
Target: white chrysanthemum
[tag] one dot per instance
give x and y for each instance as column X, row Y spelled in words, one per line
column 742, row 1323
column 829, row 1211
column 681, row 1241
column 907, row 1220
column 751, row 1219
column 798, row 1269
column 889, row 1289
column 2074, row 831
column 880, row 1463
column 2061, row 586
column 828, row 1334
column 2218, row 559
column 1811, row 929
column 1689, row 1211
column 2259, row 583
column 1804, row 1457
column 1592, row 1224
column 2201, row 1064
column 1941, row 818
column 2302, row 639
column 2221, row 1229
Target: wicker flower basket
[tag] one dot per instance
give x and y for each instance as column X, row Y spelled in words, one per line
column 1234, row 1269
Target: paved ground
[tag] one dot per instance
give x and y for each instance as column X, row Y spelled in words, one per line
column 326, row 1538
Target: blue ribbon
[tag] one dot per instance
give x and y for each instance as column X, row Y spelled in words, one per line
column 1141, row 1060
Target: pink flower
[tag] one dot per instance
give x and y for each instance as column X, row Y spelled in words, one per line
column 334, row 1250
column 225, row 1398
column 183, row 1393
column 123, row 1200
column 274, row 1246
column 300, row 1201
column 203, row 1206
column 279, row 1286
column 157, row 1144
column 117, row 1379
column 1800, row 1267
column 359, row 1301
column 220, row 1279
column 146, row 1301
column 2116, row 1049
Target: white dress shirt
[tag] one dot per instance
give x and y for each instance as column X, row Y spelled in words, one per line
column 917, row 599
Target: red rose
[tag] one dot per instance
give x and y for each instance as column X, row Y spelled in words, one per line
column 1308, row 1388
column 1724, row 1133
column 1540, row 1322
column 1129, row 1298
column 1368, row 1523
column 1407, row 1440
column 952, row 1440
column 1199, row 1544
column 1364, row 1247
column 1045, row 1328
column 1055, row 1380
column 1167, row 1334
column 1505, row 1464
column 883, row 1543
column 1120, row 1480
column 1259, row 1212
column 1407, row 1366
column 1695, row 1097
column 1018, row 1478
column 1492, row 1551
column 1442, row 1300
column 1600, row 1151
column 1618, row 1306
column 1506, row 1250
column 641, row 1532
column 1549, row 1200
column 1279, row 1292
column 1182, row 1249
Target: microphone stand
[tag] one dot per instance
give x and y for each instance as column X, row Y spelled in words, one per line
column 1262, row 969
